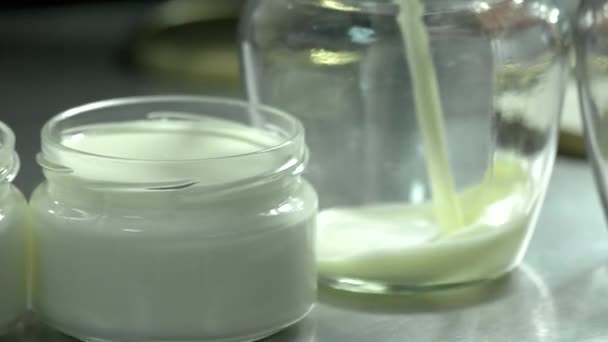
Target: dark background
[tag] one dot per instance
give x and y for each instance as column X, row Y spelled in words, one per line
column 58, row 54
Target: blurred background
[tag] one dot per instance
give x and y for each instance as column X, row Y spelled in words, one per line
column 56, row 54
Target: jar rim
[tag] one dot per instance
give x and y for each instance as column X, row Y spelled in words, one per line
column 385, row 6
column 285, row 153
column 9, row 160
column 7, row 139
column 51, row 135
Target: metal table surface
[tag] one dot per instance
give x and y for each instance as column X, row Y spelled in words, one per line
column 558, row 294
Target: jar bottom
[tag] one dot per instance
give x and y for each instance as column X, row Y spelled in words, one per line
column 365, row 286
column 11, row 328
column 79, row 336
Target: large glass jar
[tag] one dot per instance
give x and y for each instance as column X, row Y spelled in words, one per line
column 431, row 125
column 592, row 73
column 173, row 219
column 13, row 216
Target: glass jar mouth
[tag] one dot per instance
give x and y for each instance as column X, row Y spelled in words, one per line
column 386, row 7
column 9, row 160
column 280, row 147
column 7, row 140
column 51, row 132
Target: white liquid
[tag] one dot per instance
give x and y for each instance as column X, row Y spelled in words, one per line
column 174, row 265
column 429, row 113
column 402, row 245
column 12, row 257
column 160, row 140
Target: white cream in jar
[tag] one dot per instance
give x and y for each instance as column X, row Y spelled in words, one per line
column 156, row 225
column 12, row 236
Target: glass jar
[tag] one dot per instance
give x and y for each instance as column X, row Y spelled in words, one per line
column 13, row 214
column 592, row 74
column 432, row 130
column 173, row 219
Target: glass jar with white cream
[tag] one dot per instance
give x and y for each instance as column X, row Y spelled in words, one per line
column 173, row 219
column 12, row 235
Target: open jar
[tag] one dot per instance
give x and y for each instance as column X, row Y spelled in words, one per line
column 592, row 73
column 13, row 214
column 431, row 124
column 173, row 219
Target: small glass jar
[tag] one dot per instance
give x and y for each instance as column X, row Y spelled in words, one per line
column 13, row 215
column 173, row 219
column 591, row 42
column 431, row 124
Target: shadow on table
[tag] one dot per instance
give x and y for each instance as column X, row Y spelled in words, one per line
column 582, row 306
column 33, row 331
column 305, row 331
column 426, row 302
column 520, row 307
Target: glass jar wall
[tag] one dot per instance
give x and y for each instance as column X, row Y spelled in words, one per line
column 13, row 213
column 432, row 129
column 173, row 219
column 592, row 73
